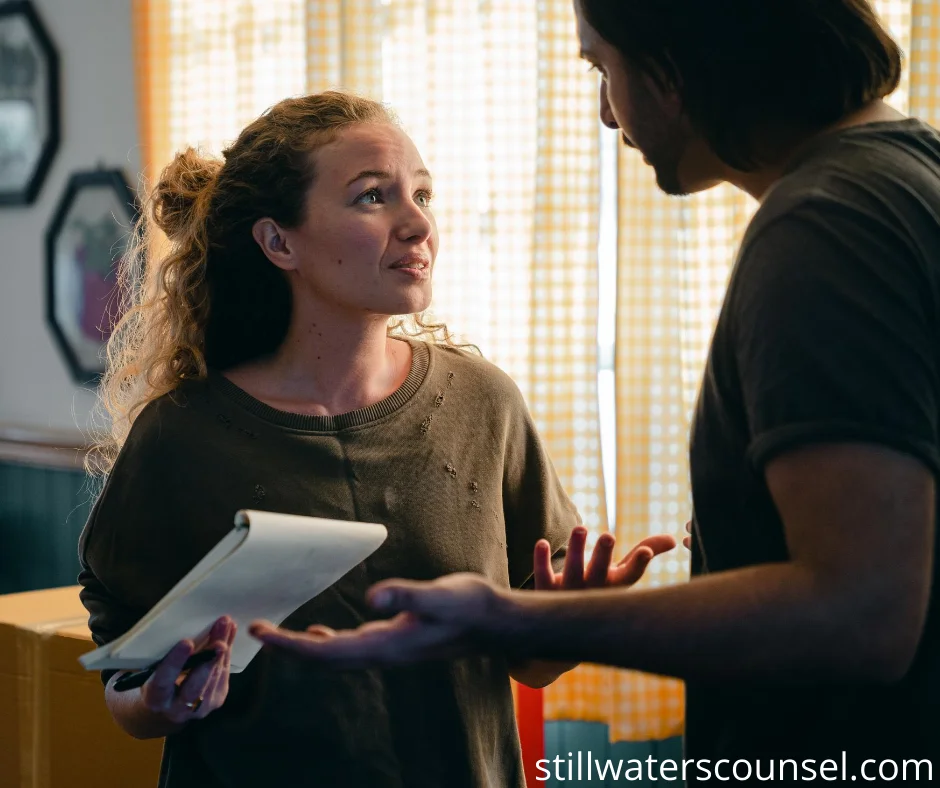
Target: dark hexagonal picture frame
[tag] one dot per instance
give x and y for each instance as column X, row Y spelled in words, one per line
column 85, row 242
column 29, row 102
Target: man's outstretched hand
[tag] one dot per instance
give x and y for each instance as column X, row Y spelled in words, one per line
column 441, row 619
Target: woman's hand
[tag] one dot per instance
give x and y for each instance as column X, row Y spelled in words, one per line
column 599, row 572
column 575, row 577
column 180, row 696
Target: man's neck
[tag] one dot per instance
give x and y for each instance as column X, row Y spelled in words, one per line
column 759, row 182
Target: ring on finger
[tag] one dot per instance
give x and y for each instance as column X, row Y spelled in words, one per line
column 194, row 705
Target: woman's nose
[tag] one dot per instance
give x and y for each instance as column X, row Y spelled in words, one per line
column 415, row 223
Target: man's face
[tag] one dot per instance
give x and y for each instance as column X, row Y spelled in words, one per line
column 649, row 118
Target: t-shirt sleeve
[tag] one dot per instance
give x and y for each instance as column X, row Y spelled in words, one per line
column 835, row 335
column 109, row 616
column 535, row 503
column 134, row 546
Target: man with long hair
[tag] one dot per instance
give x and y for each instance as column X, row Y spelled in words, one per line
column 808, row 629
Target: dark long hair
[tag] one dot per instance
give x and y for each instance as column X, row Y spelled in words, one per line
column 751, row 72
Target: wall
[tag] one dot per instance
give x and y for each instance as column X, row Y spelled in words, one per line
column 98, row 125
column 42, row 511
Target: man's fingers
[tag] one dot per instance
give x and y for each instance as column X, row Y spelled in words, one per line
column 321, row 631
column 543, row 572
column 265, row 631
column 687, row 542
column 299, row 642
column 400, row 640
column 399, row 596
column 365, row 645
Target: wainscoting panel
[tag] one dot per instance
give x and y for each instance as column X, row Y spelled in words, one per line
column 42, row 512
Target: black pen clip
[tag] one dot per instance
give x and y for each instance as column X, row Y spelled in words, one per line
column 138, row 678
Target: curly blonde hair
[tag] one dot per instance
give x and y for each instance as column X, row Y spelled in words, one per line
column 197, row 290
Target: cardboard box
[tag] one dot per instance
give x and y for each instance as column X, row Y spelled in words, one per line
column 24, row 618
column 55, row 730
column 81, row 745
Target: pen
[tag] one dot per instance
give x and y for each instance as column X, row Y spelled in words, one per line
column 137, row 679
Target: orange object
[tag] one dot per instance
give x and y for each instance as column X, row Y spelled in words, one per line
column 531, row 724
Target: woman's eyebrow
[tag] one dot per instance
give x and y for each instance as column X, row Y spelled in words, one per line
column 383, row 175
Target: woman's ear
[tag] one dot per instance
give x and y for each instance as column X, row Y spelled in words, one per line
column 273, row 242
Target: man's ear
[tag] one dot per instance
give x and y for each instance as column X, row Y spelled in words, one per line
column 665, row 82
column 273, row 242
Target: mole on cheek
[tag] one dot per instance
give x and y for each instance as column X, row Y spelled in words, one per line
column 339, row 262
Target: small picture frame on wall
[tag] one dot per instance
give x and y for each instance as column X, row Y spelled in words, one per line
column 29, row 102
column 85, row 244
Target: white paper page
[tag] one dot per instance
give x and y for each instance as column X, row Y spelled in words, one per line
column 285, row 561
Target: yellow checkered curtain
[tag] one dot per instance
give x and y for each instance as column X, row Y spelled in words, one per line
column 206, row 68
column 925, row 59
column 674, row 258
column 344, row 45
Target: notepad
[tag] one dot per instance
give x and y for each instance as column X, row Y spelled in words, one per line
column 266, row 567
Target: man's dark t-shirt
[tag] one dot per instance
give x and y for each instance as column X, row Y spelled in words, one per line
column 828, row 333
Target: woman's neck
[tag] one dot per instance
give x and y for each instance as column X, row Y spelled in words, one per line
column 329, row 363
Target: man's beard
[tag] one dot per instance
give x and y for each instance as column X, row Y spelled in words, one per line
column 667, row 175
column 668, row 181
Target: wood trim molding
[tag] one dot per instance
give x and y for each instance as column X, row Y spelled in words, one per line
column 59, row 449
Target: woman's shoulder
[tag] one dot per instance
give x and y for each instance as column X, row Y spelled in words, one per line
column 466, row 371
column 167, row 417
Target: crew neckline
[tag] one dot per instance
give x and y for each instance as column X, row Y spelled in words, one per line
column 910, row 125
column 420, row 362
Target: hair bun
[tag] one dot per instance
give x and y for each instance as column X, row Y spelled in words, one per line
column 181, row 197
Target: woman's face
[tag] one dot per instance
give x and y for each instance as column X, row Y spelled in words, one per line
column 368, row 240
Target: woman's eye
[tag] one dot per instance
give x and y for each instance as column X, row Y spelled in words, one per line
column 423, row 199
column 371, row 197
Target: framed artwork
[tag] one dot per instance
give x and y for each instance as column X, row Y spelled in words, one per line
column 85, row 242
column 29, row 102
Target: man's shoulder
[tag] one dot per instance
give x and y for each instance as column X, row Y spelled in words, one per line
column 888, row 174
column 854, row 219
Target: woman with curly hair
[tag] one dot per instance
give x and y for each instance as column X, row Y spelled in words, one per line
column 260, row 364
